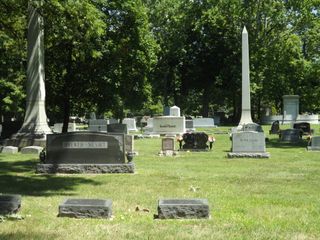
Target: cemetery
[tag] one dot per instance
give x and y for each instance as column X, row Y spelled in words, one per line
column 150, row 120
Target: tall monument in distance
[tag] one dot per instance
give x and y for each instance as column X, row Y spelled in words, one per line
column 35, row 126
column 246, row 103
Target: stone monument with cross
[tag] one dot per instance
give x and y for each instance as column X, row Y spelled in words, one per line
column 35, row 126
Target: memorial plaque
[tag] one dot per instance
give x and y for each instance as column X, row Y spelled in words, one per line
column 168, row 144
column 85, row 148
column 248, row 142
column 86, row 208
column 183, row 208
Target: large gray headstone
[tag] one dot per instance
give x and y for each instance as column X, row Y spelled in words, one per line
column 85, row 148
column 117, row 128
column 248, row 144
column 169, row 125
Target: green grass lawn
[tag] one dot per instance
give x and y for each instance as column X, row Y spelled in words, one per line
column 276, row 198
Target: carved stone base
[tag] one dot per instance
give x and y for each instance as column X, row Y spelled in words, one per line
column 86, row 168
column 248, row 155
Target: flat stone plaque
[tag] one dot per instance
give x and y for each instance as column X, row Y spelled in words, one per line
column 183, row 208
column 86, row 208
column 10, row 204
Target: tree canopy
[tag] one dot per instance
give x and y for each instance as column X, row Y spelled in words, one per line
column 120, row 56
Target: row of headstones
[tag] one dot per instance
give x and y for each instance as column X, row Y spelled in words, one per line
column 102, row 208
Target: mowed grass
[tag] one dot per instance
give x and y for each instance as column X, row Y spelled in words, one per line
column 276, row 198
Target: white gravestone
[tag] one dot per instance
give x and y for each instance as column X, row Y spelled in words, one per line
column 175, row 111
column 131, row 124
column 169, row 125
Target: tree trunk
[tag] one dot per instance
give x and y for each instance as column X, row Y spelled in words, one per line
column 66, row 92
column 205, row 102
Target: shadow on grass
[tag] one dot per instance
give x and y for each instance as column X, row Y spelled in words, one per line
column 27, row 235
column 276, row 143
column 14, row 181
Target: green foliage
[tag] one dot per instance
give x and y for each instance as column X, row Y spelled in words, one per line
column 276, row 198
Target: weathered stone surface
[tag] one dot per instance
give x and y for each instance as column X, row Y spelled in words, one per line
column 203, row 122
column 10, row 204
column 85, row 148
column 168, row 144
column 315, row 144
column 248, row 155
column 169, row 125
column 9, row 150
column 86, row 168
column 290, row 135
column 248, row 142
column 86, row 208
column 183, row 208
column 31, row 150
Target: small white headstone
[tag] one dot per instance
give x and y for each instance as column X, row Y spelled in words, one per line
column 315, row 144
column 31, row 150
column 175, row 111
column 131, row 124
column 9, row 149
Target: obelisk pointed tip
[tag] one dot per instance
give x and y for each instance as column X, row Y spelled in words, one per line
column 244, row 30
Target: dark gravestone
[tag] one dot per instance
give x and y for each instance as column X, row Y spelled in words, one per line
column 183, row 208
column 85, row 147
column 304, row 127
column 252, row 127
column 275, row 128
column 85, row 152
column 10, row 204
column 86, row 208
column 189, row 124
column 117, row 128
column 195, row 141
column 290, row 135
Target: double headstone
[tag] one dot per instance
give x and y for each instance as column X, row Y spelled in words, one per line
column 80, row 152
column 196, row 141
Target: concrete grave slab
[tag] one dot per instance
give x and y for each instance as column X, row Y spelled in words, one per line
column 86, row 208
column 183, row 208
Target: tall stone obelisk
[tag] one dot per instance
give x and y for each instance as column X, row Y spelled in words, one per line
column 246, row 105
column 35, row 125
